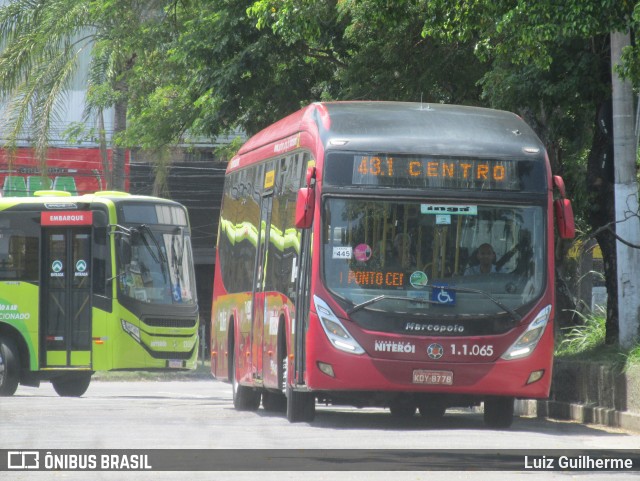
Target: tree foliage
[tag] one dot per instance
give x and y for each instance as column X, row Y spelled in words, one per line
column 42, row 43
column 177, row 69
column 550, row 61
column 240, row 65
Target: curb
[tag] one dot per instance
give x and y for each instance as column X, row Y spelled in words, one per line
column 589, row 393
column 578, row 412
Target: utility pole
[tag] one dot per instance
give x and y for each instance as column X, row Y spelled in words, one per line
column 626, row 199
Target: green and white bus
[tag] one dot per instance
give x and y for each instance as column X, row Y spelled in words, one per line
column 89, row 283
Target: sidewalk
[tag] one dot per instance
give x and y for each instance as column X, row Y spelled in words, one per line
column 590, row 393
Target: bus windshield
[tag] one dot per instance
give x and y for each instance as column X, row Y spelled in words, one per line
column 154, row 265
column 432, row 258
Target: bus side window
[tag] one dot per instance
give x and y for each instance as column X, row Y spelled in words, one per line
column 6, row 261
column 101, row 257
column 19, row 258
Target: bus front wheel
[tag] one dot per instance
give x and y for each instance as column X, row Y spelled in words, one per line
column 9, row 367
column 72, row 385
column 498, row 412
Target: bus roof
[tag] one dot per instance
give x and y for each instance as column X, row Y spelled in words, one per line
column 61, row 197
column 404, row 127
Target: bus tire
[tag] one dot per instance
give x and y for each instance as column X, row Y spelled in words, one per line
column 244, row 397
column 9, row 367
column 301, row 406
column 498, row 412
column 71, row 385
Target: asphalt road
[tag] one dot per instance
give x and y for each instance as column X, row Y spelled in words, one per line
column 199, row 415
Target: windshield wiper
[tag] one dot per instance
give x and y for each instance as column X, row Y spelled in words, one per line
column 145, row 231
column 514, row 314
column 373, row 300
column 383, row 297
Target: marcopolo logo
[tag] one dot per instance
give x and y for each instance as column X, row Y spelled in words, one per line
column 439, row 328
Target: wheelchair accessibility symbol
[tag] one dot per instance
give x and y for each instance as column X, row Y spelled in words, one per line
column 442, row 295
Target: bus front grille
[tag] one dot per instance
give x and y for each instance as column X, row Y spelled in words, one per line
column 170, row 322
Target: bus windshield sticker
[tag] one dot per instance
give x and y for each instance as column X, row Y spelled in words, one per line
column 444, row 296
column 440, row 209
column 341, row 252
column 362, row 252
column 419, row 279
column 443, row 219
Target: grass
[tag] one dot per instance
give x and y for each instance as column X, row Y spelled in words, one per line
column 586, row 342
column 201, row 373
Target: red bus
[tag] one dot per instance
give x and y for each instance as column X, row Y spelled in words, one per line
column 388, row 254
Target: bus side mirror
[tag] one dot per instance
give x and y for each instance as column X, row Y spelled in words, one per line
column 564, row 218
column 304, row 207
column 563, row 211
column 558, row 183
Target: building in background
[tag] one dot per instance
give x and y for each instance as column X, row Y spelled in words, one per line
column 74, row 164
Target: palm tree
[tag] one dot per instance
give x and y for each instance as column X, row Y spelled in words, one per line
column 41, row 43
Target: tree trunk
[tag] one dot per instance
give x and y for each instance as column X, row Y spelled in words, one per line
column 119, row 153
column 104, row 153
column 602, row 212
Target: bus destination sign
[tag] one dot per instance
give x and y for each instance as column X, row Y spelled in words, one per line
column 66, row 218
column 434, row 172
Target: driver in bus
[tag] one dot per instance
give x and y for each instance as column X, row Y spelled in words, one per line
column 486, row 258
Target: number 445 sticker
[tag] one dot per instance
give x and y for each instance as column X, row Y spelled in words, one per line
column 443, row 295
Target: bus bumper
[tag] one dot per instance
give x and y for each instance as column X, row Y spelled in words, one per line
column 528, row 377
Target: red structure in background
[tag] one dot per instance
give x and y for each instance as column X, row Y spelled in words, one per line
column 75, row 170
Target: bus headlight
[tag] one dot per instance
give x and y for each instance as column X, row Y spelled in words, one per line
column 335, row 331
column 528, row 340
column 133, row 331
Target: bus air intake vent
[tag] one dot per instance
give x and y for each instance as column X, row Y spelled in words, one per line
column 170, row 322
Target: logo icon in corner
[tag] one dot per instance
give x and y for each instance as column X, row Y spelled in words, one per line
column 23, row 460
column 435, row 351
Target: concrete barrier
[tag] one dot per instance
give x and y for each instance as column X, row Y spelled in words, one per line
column 590, row 393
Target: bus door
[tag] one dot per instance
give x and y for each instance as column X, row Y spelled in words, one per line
column 258, row 316
column 65, row 302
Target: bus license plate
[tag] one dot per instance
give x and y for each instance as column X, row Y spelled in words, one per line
column 175, row 364
column 423, row 376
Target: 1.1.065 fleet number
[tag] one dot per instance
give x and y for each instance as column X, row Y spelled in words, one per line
column 484, row 350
